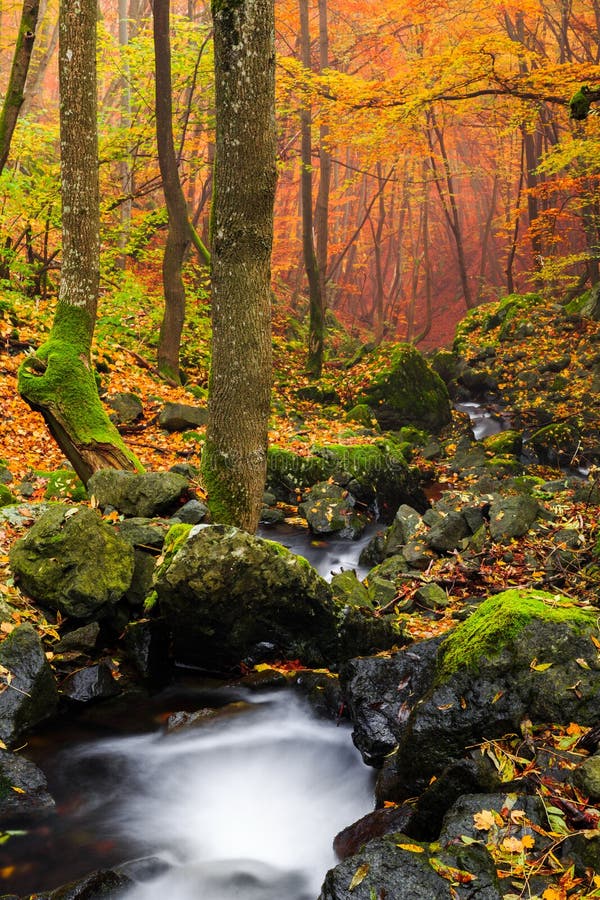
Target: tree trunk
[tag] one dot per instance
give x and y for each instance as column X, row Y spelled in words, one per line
column 125, row 166
column 179, row 236
column 235, row 453
column 58, row 381
column 18, row 76
column 316, row 327
column 322, row 204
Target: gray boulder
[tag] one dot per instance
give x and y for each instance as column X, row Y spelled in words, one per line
column 126, row 408
column 148, row 494
column 512, row 516
column 108, row 885
column 408, row 870
column 72, row 561
column 224, row 592
column 518, row 656
column 329, row 509
column 29, row 693
column 182, row 417
column 23, row 786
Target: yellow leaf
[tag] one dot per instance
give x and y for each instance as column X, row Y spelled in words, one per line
column 497, row 696
column 582, row 662
column 484, row 820
column 512, row 845
column 553, row 893
column 528, row 841
column 359, row 876
column 412, row 848
column 17, row 790
column 539, row 667
column 7, row 627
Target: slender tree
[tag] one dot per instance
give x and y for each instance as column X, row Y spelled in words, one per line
column 235, row 453
column 14, row 97
column 316, row 328
column 181, row 232
column 58, row 381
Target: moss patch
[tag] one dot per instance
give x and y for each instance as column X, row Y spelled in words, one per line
column 499, row 620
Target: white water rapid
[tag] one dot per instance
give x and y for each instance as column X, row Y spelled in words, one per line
column 244, row 808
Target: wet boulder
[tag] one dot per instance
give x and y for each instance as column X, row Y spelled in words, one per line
column 330, row 509
column 225, row 592
column 101, row 884
column 23, row 786
column 148, row 494
column 90, row 683
column 406, row 869
column 518, row 656
column 380, row 692
column 72, row 561
column 405, row 390
column 28, row 689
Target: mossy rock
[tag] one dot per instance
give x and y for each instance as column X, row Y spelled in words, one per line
column 6, row 497
column 373, row 473
column 362, row 414
column 72, row 561
column 63, row 484
column 551, row 441
column 505, row 443
column 517, row 656
column 499, row 620
column 225, row 592
column 406, row 391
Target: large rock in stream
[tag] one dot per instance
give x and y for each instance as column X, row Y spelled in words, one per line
column 521, row 655
column 229, row 596
column 28, row 692
column 524, row 654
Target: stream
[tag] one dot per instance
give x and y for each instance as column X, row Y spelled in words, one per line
column 244, row 806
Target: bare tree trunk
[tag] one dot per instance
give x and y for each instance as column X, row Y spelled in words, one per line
column 58, row 381
column 125, row 165
column 18, row 76
column 235, row 453
column 322, row 204
column 179, row 235
column 316, row 328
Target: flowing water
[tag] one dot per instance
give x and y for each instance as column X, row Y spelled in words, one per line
column 245, row 806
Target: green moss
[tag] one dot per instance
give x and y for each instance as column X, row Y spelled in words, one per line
column 498, row 621
column 362, row 415
column 6, row 498
column 60, row 379
column 63, row 483
column 407, row 390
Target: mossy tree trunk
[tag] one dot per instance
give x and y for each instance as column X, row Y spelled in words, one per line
column 14, row 97
column 58, row 381
column 235, row 453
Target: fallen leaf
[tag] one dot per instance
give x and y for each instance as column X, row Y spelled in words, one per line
column 412, row 848
column 359, row 876
column 484, row 820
